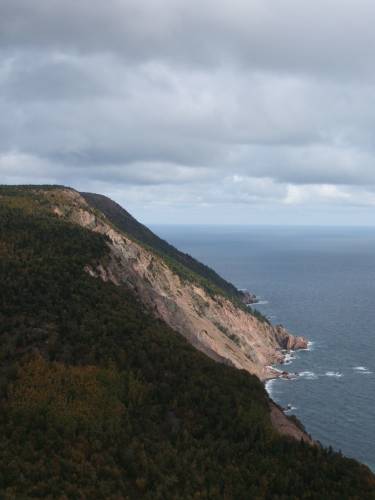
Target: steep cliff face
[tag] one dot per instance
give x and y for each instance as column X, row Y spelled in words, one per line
column 213, row 324
column 126, row 223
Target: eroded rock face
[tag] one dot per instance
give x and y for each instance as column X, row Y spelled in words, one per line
column 214, row 325
column 288, row 341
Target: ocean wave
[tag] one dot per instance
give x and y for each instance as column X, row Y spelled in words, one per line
column 268, row 386
column 362, row 370
column 308, row 375
column 334, row 374
column 310, row 346
column 261, row 303
column 290, row 408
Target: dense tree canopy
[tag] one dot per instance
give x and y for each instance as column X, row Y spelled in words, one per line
column 101, row 400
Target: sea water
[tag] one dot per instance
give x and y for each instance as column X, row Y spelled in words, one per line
column 318, row 282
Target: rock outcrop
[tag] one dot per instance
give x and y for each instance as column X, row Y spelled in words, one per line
column 213, row 324
column 249, row 298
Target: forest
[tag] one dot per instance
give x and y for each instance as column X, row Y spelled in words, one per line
column 101, row 400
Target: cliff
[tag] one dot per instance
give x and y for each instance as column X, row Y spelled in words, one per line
column 214, row 324
column 180, row 261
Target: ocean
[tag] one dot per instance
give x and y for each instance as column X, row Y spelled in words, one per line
column 318, row 282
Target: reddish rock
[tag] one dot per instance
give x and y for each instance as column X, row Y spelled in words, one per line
column 288, row 341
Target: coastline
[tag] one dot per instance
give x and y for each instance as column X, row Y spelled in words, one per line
column 288, row 425
column 288, row 345
column 276, row 373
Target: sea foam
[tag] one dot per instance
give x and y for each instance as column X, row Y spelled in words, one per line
column 289, row 357
column 290, row 409
column 362, row 370
column 334, row 374
column 310, row 346
column 269, row 385
column 308, row 375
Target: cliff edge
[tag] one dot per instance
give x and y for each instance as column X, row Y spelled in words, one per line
column 213, row 323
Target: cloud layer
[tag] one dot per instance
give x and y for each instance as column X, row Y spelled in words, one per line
column 212, row 109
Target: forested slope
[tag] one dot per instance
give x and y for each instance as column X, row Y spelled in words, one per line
column 101, row 400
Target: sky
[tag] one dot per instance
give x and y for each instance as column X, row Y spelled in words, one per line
column 194, row 111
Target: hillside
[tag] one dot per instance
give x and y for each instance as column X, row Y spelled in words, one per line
column 101, row 398
column 212, row 321
column 179, row 261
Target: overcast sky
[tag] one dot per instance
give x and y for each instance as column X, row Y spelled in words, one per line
column 194, row 111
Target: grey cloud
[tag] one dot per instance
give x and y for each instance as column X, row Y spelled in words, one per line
column 187, row 103
column 327, row 36
column 49, row 78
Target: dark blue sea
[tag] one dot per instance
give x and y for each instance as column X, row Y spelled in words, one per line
column 318, row 282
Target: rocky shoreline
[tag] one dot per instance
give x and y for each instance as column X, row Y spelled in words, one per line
column 288, row 425
column 288, row 344
column 249, row 298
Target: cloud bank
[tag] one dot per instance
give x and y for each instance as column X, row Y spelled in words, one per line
column 194, row 111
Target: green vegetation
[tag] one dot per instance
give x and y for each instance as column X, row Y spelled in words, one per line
column 101, row 400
